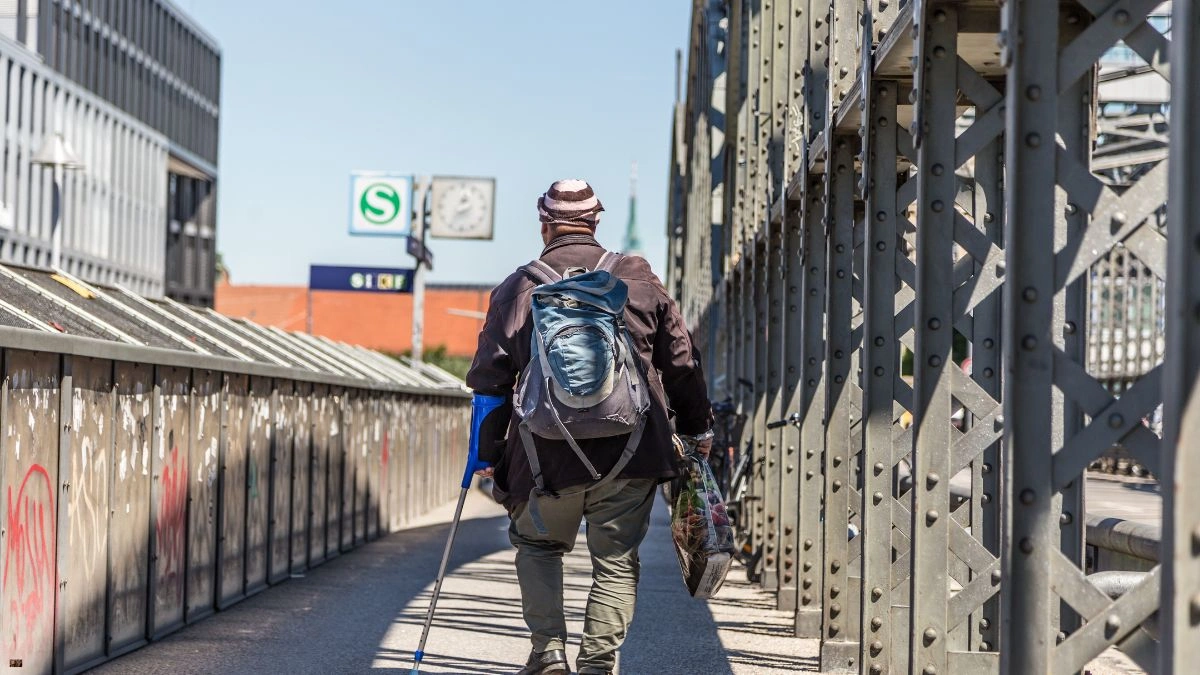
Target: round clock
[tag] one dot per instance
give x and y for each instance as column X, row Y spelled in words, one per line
column 462, row 208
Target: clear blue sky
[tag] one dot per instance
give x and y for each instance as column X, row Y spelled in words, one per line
column 527, row 91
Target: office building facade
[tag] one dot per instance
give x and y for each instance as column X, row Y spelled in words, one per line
column 133, row 86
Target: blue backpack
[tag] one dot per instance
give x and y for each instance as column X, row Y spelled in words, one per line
column 584, row 379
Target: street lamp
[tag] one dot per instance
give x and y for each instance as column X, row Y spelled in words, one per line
column 56, row 152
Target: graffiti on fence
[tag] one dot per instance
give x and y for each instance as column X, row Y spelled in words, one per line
column 170, row 528
column 88, row 476
column 29, row 560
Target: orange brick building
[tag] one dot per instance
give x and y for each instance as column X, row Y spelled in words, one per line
column 453, row 314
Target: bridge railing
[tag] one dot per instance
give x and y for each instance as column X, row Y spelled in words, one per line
column 906, row 222
column 161, row 463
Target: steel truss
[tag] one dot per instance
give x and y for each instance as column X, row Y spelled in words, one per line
column 873, row 213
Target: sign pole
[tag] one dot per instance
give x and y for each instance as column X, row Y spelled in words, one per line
column 418, row 318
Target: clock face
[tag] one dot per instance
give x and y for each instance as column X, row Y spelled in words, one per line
column 462, row 208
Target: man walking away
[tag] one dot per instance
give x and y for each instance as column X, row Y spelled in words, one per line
column 550, row 481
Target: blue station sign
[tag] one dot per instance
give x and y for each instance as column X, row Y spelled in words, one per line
column 364, row 279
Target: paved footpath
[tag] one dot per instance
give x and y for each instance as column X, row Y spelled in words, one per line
column 363, row 612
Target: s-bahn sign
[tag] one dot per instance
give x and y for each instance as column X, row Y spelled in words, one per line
column 364, row 279
column 380, row 204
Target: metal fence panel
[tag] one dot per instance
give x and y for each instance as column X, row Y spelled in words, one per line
column 282, row 450
column 203, row 495
column 234, row 443
column 168, row 507
column 346, row 457
column 319, row 479
column 83, row 552
column 377, row 469
column 258, row 463
column 129, row 522
column 337, row 492
column 30, row 474
column 301, row 478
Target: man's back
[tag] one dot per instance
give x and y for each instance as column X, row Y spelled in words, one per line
column 663, row 346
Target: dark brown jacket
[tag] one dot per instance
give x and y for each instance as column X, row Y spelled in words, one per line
column 667, row 354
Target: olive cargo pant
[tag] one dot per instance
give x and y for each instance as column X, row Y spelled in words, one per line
column 618, row 515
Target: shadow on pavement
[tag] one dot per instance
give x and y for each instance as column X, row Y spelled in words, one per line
column 333, row 619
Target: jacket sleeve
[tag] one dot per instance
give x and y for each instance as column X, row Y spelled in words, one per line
column 494, row 372
column 675, row 356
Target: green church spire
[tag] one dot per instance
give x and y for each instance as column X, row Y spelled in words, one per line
column 633, row 242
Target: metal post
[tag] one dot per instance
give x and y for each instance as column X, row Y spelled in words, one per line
column 936, row 192
column 793, row 270
column 1179, row 613
column 880, row 368
column 60, row 207
column 812, row 429
column 839, row 647
column 1029, row 528
column 418, row 316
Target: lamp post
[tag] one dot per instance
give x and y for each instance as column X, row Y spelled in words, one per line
column 56, row 152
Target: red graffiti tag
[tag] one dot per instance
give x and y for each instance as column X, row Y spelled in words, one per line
column 29, row 556
column 169, row 529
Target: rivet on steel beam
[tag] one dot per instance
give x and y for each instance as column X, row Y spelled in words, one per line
column 1029, row 343
column 1065, row 518
column 835, row 566
column 1195, row 607
column 878, row 468
column 1028, row 496
column 808, row 543
column 879, row 371
column 931, row 516
column 1033, row 140
column 876, row 594
column 984, row 624
column 937, row 206
column 935, row 361
column 1029, row 294
column 937, row 169
column 834, row 590
column 930, row 636
column 837, row 379
column 1026, row 546
column 1116, row 421
column 932, row 479
column 834, row 629
column 877, row 497
column 876, row 647
column 1033, row 92
column 1113, row 622
column 787, row 577
column 806, row 598
column 807, row 564
column 1069, row 328
column 837, row 485
column 939, row 16
column 1072, row 209
column 1196, row 540
column 879, row 341
column 929, row 670
column 986, row 468
column 934, row 323
column 988, row 372
column 1121, row 17
column 985, row 646
column 876, row 669
column 1001, row 267
column 837, row 460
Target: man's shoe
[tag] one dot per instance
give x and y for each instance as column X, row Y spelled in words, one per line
column 552, row 662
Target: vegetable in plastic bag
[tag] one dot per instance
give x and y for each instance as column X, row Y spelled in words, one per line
column 701, row 529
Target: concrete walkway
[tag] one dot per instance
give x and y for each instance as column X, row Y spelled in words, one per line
column 363, row 611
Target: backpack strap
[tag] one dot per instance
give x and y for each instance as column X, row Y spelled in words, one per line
column 539, row 490
column 541, row 272
column 609, row 261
